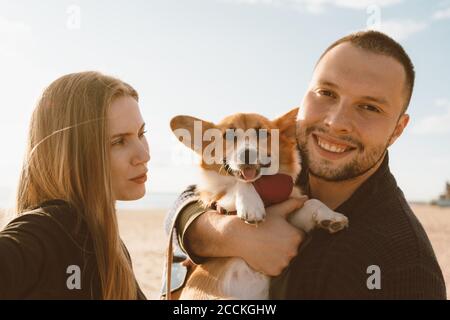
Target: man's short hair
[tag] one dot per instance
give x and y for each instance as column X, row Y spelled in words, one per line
column 380, row 43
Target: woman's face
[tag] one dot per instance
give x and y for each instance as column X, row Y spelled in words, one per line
column 129, row 149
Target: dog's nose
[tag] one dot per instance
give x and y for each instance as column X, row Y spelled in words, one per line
column 248, row 156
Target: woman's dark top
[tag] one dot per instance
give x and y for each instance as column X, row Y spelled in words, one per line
column 47, row 254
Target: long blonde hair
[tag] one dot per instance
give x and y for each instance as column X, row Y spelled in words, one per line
column 68, row 158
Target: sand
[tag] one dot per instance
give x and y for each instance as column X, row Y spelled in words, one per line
column 145, row 238
column 143, row 233
column 436, row 222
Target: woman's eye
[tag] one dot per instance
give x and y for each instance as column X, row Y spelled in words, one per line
column 118, row 142
column 142, row 134
column 370, row 108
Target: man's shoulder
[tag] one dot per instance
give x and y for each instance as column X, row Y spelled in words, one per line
column 327, row 265
column 387, row 234
column 393, row 220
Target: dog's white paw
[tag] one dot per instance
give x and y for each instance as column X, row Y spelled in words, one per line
column 328, row 219
column 249, row 205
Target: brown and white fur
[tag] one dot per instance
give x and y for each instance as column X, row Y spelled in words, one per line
column 228, row 184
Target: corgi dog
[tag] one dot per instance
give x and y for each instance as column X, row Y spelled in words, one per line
column 233, row 169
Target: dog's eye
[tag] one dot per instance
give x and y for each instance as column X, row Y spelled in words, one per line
column 263, row 133
column 229, row 135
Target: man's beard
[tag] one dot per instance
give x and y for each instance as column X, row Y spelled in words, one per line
column 364, row 160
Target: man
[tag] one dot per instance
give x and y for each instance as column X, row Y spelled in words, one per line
column 353, row 110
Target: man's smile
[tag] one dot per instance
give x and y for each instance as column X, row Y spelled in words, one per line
column 331, row 148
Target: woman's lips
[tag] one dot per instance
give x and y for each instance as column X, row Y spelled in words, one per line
column 140, row 179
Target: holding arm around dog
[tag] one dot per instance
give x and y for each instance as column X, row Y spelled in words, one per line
column 267, row 248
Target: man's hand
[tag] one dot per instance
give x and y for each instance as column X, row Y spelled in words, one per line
column 267, row 248
column 270, row 246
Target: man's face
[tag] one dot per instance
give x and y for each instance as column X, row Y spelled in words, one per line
column 351, row 112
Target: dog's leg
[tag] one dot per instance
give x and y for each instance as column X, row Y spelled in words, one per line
column 241, row 282
column 296, row 192
column 249, row 205
column 316, row 214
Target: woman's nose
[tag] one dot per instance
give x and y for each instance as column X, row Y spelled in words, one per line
column 142, row 153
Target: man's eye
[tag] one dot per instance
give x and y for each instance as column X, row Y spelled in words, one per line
column 370, row 108
column 142, row 134
column 326, row 93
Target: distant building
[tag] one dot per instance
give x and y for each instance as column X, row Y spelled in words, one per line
column 444, row 199
column 446, row 194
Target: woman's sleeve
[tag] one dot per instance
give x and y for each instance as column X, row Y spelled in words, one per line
column 22, row 254
column 186, row 197
column 183, row 212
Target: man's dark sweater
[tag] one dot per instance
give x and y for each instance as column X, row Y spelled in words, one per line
column 384, row 233
column 36, row 250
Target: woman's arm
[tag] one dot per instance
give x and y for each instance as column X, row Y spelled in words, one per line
column 21, row 256
column 180, row 215
column 186, row 197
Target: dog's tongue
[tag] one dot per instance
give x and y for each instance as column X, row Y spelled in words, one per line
column 249, row 173
column 274, row 189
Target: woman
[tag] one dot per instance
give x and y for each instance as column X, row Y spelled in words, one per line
column 86, row 150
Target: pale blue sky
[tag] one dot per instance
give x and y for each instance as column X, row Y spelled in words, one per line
column 211, row 58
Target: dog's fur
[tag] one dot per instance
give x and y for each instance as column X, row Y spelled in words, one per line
column 226, row 185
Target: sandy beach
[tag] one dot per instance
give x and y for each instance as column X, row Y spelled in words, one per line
column 143, row 233
column 144, row 236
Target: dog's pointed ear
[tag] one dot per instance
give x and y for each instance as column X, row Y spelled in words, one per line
column 189, row 130
column 287, row 123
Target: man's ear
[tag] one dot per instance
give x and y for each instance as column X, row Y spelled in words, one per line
column 189, row 130
column 287, row 123
column 401, row 125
